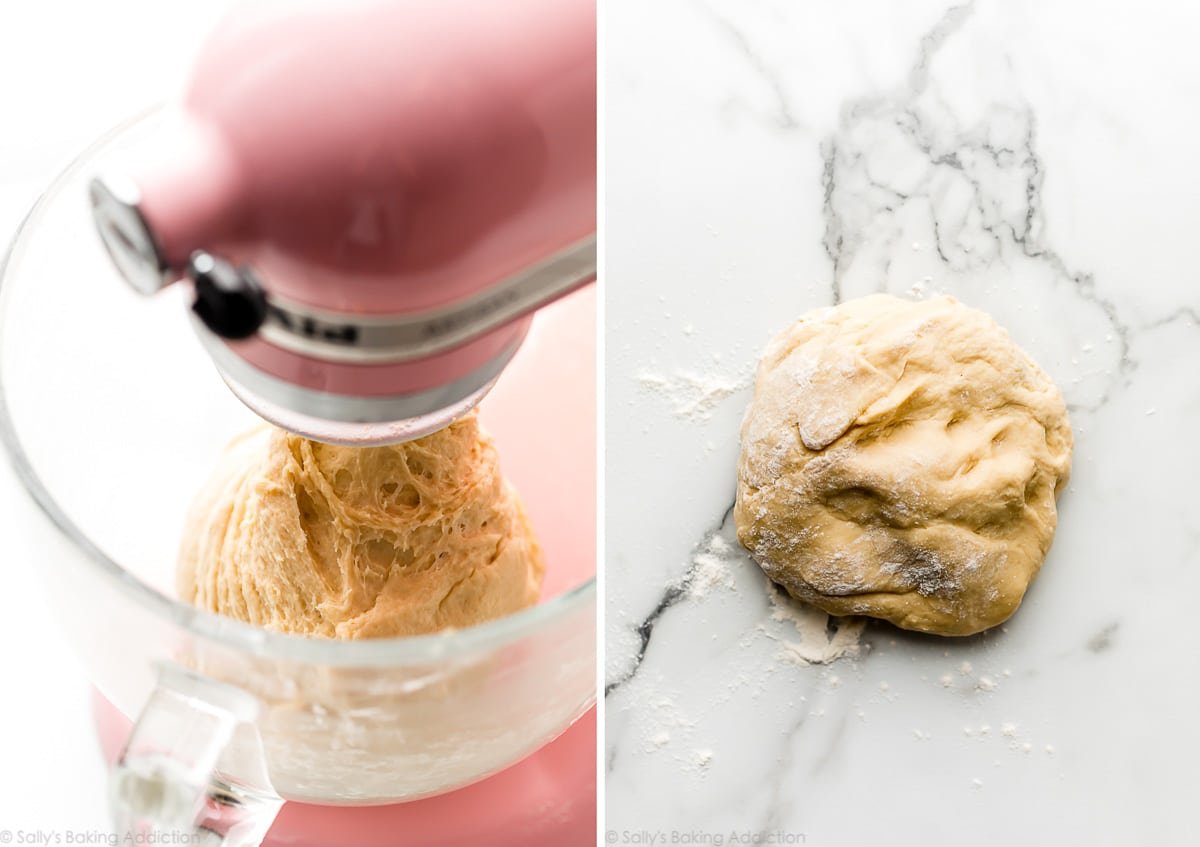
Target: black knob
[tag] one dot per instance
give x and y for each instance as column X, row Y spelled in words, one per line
column 229, row 301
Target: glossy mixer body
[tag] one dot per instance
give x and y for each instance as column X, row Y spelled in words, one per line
column 369, row 200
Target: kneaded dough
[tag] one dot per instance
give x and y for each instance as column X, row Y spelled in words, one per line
column 352, row 542
column 901, row 460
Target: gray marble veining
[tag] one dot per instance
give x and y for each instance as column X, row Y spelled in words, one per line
column 1034, row 160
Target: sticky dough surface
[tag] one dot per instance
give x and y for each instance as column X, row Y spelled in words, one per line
column 352, row 542
column 901, row 460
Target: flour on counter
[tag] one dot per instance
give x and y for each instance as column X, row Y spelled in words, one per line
column 664, row 722
column 667, row 730
column 693, row 396
column 1010, row 735
column 817, row 646
column 920, row 289
column 710, row 568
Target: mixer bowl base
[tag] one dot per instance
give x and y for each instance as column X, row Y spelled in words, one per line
column 546, row 800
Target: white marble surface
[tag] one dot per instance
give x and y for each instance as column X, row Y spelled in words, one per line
column 1034, row 159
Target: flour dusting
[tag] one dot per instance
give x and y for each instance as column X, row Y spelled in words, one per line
column 693, row 396
column 666, row 722
column 822, row 638
column 920, row 289
column 816, row 645
column 710, row 568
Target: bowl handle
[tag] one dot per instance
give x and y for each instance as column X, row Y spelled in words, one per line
column 193, row 768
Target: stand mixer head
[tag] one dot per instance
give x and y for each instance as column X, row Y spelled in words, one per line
column 369, row 201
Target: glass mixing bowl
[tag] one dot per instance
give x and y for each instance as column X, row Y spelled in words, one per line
column 114, row 416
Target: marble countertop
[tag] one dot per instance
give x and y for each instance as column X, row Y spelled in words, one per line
column 1033, row 159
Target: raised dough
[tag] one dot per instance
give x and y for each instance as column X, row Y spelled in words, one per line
column 352, row 542
column 901, row 460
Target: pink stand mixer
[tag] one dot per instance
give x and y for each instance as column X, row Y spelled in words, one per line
column 363, row 205
column 369, row 200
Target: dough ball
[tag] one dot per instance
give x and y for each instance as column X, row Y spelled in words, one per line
column 901, row 460
column 352, row 542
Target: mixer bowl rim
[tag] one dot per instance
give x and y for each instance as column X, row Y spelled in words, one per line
column 226, row 631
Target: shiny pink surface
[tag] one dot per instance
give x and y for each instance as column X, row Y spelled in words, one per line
column 381, row 156
column 546, row 800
